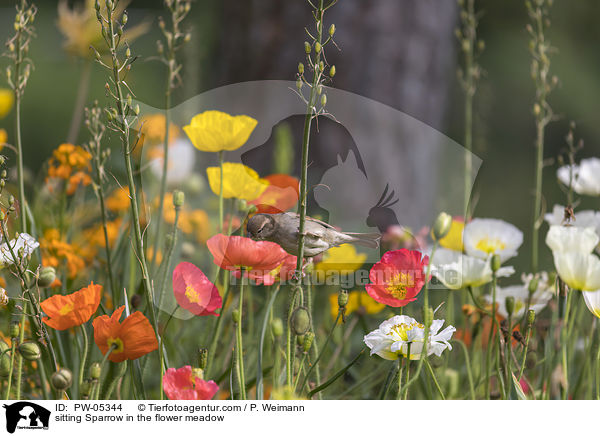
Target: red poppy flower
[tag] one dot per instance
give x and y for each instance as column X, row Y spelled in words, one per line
column 132, row 338
column 234, row 252
column 182, row 384
column 66, row 311
column 281, row 194
column 398, row 277
column 283, row 272
column 194, row 292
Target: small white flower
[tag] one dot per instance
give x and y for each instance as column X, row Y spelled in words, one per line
column 567, row 238
column 578, row 270
column 182, row 157
column 23, row 242
column 392, row 338
column 583, row 218
column 484, row 237
column 520, row 293
column 586, row 176
column 592, row 301
column 458, row 271
column 3, row 297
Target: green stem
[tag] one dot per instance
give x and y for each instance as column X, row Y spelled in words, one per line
column 335, row 323
column 221, row 176
column 20, row 358
column 239, row 344
column 400, row 368
column 407, row 369
column 261, row 343
column 102, row 363
column 13, row 350
column 468, row 367
column 84, row 354
column 435, row 382
column 598, row 372
column 218, row 325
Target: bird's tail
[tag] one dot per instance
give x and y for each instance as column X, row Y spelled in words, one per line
column 370, row 240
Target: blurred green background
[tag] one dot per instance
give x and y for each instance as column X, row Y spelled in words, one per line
column 236, row 41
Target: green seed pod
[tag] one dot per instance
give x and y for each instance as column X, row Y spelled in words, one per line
column 4, row 359
column 300, row 321
column 13, row 329
column 46, row 277
column 318, row 47
column 277, row 327
column 323, row 100
column 61, row 379
column 530, row 317
column 299, row 84
column 300, row 68
column 308, row 340
column 441, row 226
column 332, row 71
column 495, row 263
column 178, row 199
column 307, row 47
column 30, row 351
column 510, row 305
column 322, row 66
column 124, row 19
column 95, row 371
column 235, row 315
column 331, row 30
column 342, row 298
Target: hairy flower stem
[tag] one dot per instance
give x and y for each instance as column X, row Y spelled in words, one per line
column 335, row 323
column 239, row 345
column 122, row 114
column 84, row 355
column 400, row 367
column 13, row 351
column 18, row 383
column 102, row 363
column 218, row 325
column 261, row 343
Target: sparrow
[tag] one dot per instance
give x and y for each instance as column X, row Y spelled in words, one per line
column 283, row 229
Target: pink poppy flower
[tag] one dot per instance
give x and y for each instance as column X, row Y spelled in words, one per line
column 194, row 292
column 182, row 384
column 234, row 252
column 398, row 277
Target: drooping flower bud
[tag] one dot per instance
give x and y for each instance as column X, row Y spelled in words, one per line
column 342, row 298
column 30, row 351
column 300, row 68
column 533, row 285
column 46, row 277
column 61, row 379
column 178, row 199
column 277, row 327
column 300, row 321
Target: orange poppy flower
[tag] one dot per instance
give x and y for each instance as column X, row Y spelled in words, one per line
column 281, row 194
column 66, row 311
column 132, row 338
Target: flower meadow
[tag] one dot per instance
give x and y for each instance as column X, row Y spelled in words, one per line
column 130, row 273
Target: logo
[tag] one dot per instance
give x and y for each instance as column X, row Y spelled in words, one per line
column 26, row 415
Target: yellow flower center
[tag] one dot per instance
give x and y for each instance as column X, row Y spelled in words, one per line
column 117, row 342
column 67, row 308
column 490, row 245
column 398, row 284
column 401, row 330
column 192, row 295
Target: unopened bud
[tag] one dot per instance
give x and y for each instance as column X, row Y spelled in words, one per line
column 61, row 379
column 509, row 302
column 46, row 277
column 299, row 84
column 332, row 71
column 13, row 329
column 496, row 262
column 533, row 285
column 441, row 226
column 124, row 19
column 323, row 100
column 530, row 317
column 331, row 30
column 318, row 47
column 308, row 340
column 178, row 199
column 85, row 388
column 128, row 52
column 30, row 351
column 307, row 47
column 342, row 298
column 95, row 371
column 300, row 68
column 235, row 315
column 300, row 321
column 277, row 327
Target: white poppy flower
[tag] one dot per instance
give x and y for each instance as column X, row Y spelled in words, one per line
column 592, row 301
column 520, row 293
column 484, row 237
column 457, row 271
column 393, row 336
column 578, row 270
column 182, row 157
column 586, row 176
column 24, row 241
column 583, row 218
column 567, row 238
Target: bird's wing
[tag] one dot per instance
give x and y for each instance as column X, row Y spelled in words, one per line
column 314, row 220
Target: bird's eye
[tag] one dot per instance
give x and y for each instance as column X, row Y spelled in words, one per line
column 259, row 230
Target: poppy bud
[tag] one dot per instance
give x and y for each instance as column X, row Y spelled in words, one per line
column 95, row 371
column 61, row 379
column 530, row 317
column 235, row 315
column 533, row 285
column 46, row 277
column 300, row 68
column 441, row 226
column 178, row 199
column 495, row 263
column 203, row 358
column 30, row 351
column 342, row 298
column 4, row 360
column 300, row 340
column 331, row 30
column 318, row 47
column 332, row 71
column 307, row 47
column 300, row 321
column 510, row 305
column 308, row 340
column 85, row 388
column 277, row 327
column 13, row 329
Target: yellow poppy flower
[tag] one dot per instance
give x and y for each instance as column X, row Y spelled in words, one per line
column 343, row 259
column 357, row 300
column 454, row 239
column 218, row 131
column 7, row 99
column 239, row 181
